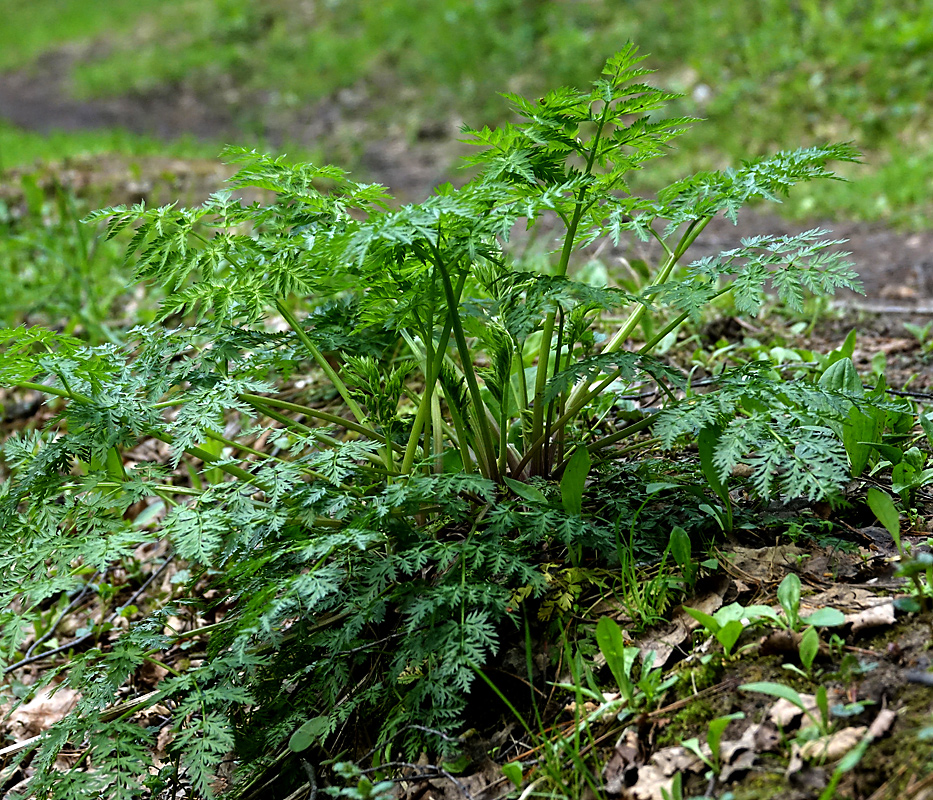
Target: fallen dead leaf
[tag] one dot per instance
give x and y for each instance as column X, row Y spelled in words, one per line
column 39, row 714
column 784, row 713
column 834, row 746
column 657, row 776
column 882, row 724
column 763, row 564
column 878, row 617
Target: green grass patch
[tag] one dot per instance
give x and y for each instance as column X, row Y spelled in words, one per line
column 29, row 29
column 20, row 147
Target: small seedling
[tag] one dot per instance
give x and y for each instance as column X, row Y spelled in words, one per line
column 883, row 508
column 821, row 722
column 714, row 739
column 729, row 622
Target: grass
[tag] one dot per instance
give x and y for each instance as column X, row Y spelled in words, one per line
column 30, row 29
column 20, row 148
column 764, row 75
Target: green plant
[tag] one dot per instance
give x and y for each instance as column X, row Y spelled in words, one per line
column 421, row 511
column 360, row 787
column 788, row 595
column 915, row 568
column 713, row 739
column 651, row 684
column 728, row 623
column 54, row 271
column 821, row 721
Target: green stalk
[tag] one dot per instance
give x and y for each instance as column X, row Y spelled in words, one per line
column 333, row 419
column 300, row 426
column 537, row 423
column 547, row 332
column 437, row 433
column 624, row 333
column 432, row 373
column 523, row 402
column 329, row 371
column 466, row 358
column 463, row 437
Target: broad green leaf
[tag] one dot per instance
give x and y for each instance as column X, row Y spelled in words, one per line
column 861, row 430
column 888, row 451
column 847, row 348
column 809, row 647
column 775, row 690
column 822, row 703
column 842, row 377
column 882, row 506
column 825, row 618
column 513, row 772
column 729, row 634
column 525, row 491
column 788, row 595
column 716, row 729
column 682, row 550
column 710, row 623
column 732, row 612
column 619, row 658
column 927, row 424
column 312, row 731
column 707, row 440
column 754, row 613
column 693, row 745
column 115, row 469
column 659, row 486
column 573, row 481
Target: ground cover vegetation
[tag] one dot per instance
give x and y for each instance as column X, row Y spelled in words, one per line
column 376, row 456
column 787, row 75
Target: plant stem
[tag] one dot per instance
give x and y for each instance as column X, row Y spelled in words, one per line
column 466, row 358
column 329, row 371
column 257, row 400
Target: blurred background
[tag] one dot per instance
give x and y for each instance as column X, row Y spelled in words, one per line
column 381, row 87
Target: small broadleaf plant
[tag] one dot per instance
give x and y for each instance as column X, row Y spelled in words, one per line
column 349, row 553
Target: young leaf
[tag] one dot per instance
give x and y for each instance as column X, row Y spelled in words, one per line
column 862, row 431
column 314, row 730
column 573, row 481
column 618, row 657
column 882, row 506
column 707, row 440
column 715, row 731
column 729, row 634
column 843, row 377
column 682, row 550
column 776, row 690
column 788, row 594
column 825, row 618
column 513, row 772
column 709, row 622
column 526, row 491
column 809, row 647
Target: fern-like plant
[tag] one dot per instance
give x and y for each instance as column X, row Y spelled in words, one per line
column 362, row 553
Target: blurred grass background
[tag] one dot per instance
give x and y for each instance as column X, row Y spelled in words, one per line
column 382, row 87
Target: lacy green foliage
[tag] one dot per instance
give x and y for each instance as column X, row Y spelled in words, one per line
column 365, row 577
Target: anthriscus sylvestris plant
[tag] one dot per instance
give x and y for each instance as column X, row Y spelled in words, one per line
column 350, row 551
